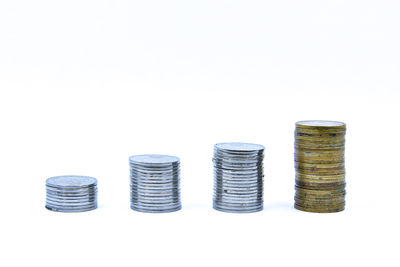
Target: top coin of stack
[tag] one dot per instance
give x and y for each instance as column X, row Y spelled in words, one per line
column 320, row 166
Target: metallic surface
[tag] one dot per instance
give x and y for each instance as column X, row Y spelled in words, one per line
column 320, row 166
column 238, row 177
column 155, row 183
column 71, row 193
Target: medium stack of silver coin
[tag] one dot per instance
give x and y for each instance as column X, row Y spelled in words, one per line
column 238, row 177
column 71, row 193
column 155, row 183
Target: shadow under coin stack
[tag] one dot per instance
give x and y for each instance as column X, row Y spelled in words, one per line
column 238, row 177
column 320, row 166
column 155, row 183
column 71, row 193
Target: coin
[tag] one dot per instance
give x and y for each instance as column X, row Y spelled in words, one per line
column 71, row 193
column 238, row 177
column 155, row 183
column 320, row 166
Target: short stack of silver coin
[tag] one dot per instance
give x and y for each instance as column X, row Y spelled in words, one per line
column 238, row 177
column 155, row 183
column 71, row 193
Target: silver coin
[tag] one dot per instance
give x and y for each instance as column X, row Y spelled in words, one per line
column 238, row 177
column 153, row 159
column 155, row 183
column 71, row 193
column 73, row 181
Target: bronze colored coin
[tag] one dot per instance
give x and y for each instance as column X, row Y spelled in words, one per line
column 320, row 205
column 321, row 124
column 331, row 184
column 322, row 178
column 321, row 186
column 300, row 133
column 320, row 198
column 319, row 156
column 318, row 160
column 338, row 199
column 314, row 210
column 319, row 146
column 320, row 202
column 305, row 165
column 302, row 184
column 332, row 152
column 319, row 193
column 339, row 189
column 307, row 193
column 316, row 141
column 320, row 152
column 302, row 167
column 320, row 172
column 319, row 141
column 319, row 136
column 317, row 129
column 325, row 197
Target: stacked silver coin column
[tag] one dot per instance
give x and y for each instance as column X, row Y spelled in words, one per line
column 71, row 193
column 155, row 183
column 238, row 177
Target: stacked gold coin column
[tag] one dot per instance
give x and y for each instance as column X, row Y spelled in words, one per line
column 320, row 166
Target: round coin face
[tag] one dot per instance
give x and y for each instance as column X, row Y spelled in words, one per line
column 318, row 123
column 239, row 146
column 71, row 181
column 154, row 159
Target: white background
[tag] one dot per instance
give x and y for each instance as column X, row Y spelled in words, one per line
column 85, row 84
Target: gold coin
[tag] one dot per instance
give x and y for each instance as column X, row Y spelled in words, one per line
column 318, row 133
column 320, row 210
column 316, row 147
column 305, row 165
column 319, row 160
column 320, row 193
column 320, row 205
column 338, row 151
column 318, row 186
column 320, row 138
column 322, row 178
column 320, row 199
column 321, row 124
column 339, row 189
column 320, row 172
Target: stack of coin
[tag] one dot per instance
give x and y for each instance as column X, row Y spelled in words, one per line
column 238, row 177
column 155, row 183
column 320, row 167
column 71, row 193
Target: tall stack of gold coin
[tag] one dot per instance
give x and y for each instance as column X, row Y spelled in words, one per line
column 320, row 167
